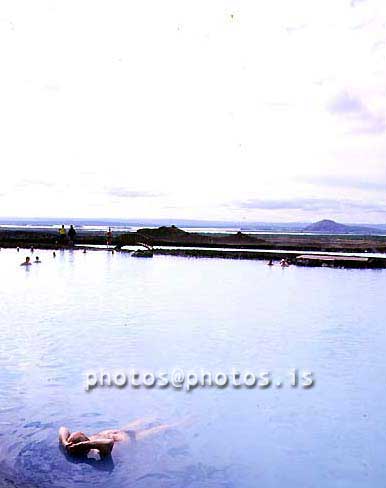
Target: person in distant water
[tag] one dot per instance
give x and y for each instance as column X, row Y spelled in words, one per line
column 18, row 249
column 27, row 262
column 32, row 249
column 37, row 260
column 62, row 236
column 109, row 237
column 72, row 235
column 84, row 251
column 270, row 262
column 79, row 444
column 54, row 254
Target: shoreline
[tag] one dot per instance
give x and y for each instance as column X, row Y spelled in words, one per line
column 232, row 246
column 172, row 236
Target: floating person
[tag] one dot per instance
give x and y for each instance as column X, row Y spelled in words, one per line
column 284, row 263
column 27, row 262
column 109, row 237
column 32, row 249
column 37, row 260
column 79, row 444
column 62, row 236
column 270, row 262
column 84, row 251
column 72, row 235
column 54, row 254
column 18, row 249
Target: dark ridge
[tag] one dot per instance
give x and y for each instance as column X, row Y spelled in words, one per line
column 175, row 236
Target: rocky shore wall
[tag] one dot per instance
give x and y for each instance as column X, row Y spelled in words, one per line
column 172, row 236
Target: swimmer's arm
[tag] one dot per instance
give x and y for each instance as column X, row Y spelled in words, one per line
column 104, row 446
column 80, row 448
column 64, row 434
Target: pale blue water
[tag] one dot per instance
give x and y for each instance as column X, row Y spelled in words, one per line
column 86, row 311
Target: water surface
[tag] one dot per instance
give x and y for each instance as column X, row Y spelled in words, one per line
column 86, row 311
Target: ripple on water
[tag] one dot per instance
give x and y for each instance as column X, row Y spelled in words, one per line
column 96, row 311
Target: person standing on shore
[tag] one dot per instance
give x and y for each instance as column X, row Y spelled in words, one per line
column 62, row 236
column 109, row 237
column 72, row 235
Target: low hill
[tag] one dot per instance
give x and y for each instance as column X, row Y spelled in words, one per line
column 174, row 236
column 331, row 227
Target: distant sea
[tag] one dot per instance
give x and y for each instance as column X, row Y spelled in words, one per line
column 119, row 225
column 131, row 225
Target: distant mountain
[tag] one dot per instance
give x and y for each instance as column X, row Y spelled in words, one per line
column 332, row 227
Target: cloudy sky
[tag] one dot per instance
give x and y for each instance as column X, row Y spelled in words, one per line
column 233, row 110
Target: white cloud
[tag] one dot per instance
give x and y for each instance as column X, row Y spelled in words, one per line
column 191, row 103
column 364, row 121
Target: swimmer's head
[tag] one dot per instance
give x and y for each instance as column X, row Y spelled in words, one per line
column 27, row 259
column 77, row 437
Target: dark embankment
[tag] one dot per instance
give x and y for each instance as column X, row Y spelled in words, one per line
column 42, row 239
column 172, row 236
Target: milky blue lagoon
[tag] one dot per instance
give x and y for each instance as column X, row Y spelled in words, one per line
column 83, row 312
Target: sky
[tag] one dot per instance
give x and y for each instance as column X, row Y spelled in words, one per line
column 241, row 110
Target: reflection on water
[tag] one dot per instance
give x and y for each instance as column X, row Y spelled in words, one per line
column 85, row 311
